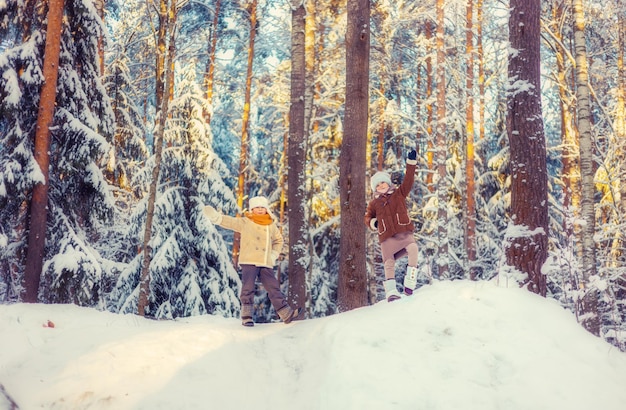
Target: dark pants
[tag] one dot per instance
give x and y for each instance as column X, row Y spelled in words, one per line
column 249, row 274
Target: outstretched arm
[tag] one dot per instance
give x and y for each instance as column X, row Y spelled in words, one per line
column 409, row 175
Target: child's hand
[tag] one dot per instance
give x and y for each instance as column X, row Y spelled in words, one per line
column 214, row 216
column 374, row 224
column 412, row 155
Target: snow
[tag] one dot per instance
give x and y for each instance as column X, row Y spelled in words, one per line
column 452, row 345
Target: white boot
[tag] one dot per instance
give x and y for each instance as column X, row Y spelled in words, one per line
column 391, row 292
column 410, row 280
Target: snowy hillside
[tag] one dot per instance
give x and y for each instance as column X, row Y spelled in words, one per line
column 453, row 345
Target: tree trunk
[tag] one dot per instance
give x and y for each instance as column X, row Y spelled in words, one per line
column 245, row 120
column 45, row 117
column 169, row 22
column 527, row 236
column 352, row 286
column 441, row 148
column 589, row 301
column 470, row 233
column 299, row 258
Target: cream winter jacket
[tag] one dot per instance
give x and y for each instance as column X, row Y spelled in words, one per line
column 260, row 245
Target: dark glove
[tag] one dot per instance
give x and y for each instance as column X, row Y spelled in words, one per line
column 412, row 155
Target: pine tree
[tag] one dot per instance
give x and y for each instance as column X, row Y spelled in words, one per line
column 190, row 270
column 79, row 199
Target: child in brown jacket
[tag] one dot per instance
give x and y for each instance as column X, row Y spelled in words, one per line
column 261, row 243
column 387, row 214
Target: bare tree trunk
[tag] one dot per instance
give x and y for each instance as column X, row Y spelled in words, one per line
column 470, row 233
column 299, row 258
column 589, row 302
column 352, row 286
column 245, row 120
column 169, row 21
column 527, row 236
column 441, row 148
column 45, row 117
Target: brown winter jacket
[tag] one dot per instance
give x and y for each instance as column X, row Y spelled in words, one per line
column 390, row 209
column 260, row 244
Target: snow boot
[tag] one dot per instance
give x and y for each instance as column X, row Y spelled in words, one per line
column 287, row 314
column 410, row 280
column 391, row 292
column 246, row 316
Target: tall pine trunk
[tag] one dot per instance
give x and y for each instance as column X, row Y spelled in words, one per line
column 352, row 286
column 527, row 236
column 45, row 117
column 299, row 258
column 589, row 302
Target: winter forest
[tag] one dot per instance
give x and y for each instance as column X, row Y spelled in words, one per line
column 120, row 120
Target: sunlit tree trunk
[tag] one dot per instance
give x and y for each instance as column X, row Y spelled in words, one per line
column 210, row 69
column 441, row 148
column 169, row 21
column 299, row 258
column 589, row 302
column 527, row 235
column 245, row 120
column 45, row 117
column 470, row 235
column 352, row 286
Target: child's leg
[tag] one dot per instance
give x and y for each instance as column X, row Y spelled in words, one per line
column 248, row 278
column 279, row 302
column 410, row 278
column 391, row 292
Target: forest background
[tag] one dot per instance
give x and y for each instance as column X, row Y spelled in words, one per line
column 161, row 107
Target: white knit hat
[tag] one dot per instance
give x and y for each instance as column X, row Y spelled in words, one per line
column 258, row 202
column 378, row 178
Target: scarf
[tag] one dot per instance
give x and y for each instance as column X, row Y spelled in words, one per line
column 264, row 219
column 387, row 192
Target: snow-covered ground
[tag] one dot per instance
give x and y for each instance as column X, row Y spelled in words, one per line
column 452, row 346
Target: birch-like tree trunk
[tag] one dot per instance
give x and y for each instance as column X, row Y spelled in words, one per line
column 441, row 148
column 527, row 236
column 245, row 121
column 45, row 117
column 169, row 21
column 352, row 287
column 588, row 309
column 299, row 258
